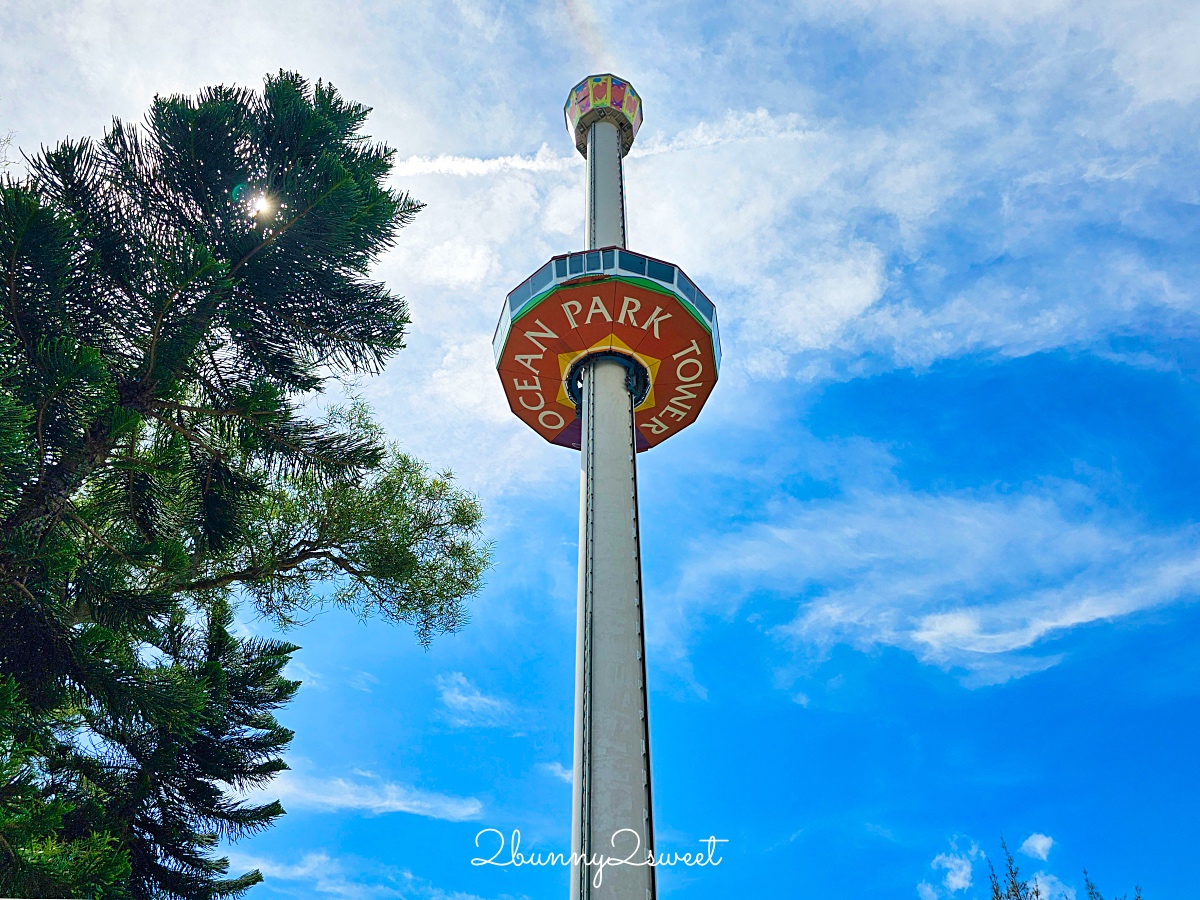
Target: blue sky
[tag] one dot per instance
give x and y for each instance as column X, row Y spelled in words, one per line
column 923, row 575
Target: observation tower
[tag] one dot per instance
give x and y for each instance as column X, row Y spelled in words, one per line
column 609, row 352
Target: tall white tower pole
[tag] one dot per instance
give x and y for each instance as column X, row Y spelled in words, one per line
column 605, row 189
column 612, row 738
column 634, row 382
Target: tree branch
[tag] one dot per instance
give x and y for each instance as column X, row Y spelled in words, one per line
column 294, row 560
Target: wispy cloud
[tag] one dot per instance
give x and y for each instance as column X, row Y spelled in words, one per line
column 362, row 681
column 353, row 879
column 298, row 671
column 806, row 225
column 1148, row 52
column 973, row 580
column 557, row 770
column 466, row 706
column 371, row 795
column 545, row 160
column 833, row 245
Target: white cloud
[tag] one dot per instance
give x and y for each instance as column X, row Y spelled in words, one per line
column 562, row 212
column 1038, row 846
column 373, row 796
column 1151, row 46
column 113, row 57
column 958, row 870
column 557, row 770
column 810, row 310
column 353, row 879
column 1156, row 50
column 958, row 865
column 975, row 581
column 755, row 205
column 467, row 706
column 310, row 864
column 1052, row 888
column 758, row 200
column 466, row 379
column 994, row 316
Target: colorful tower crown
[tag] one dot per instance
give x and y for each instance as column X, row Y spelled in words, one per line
column 603, row 97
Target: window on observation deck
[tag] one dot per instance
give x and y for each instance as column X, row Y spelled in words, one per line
column 576, row 263
column 660, row 271
column 520, row 295
column 686, row 287
column 540, row 278
column 593, row 262
column 631, row 262
column 560, row 268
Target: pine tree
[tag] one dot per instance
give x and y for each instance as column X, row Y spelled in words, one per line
column 1012, row 887
column 173, row 297
column 36, row 861
column 1093, row 892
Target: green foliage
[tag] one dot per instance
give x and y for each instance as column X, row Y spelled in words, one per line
column 398, row 543
column 35, row 861
column 172, row 296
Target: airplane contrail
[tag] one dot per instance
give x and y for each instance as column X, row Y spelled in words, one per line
column 735, row 128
